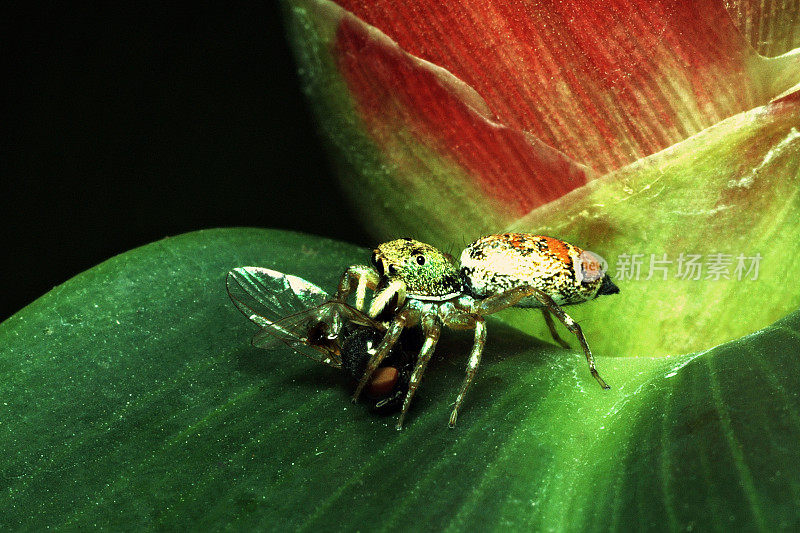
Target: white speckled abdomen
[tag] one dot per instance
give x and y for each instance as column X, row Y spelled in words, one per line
column 566, row 273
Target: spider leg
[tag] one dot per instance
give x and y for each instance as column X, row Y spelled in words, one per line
column 573, row 326
column 511, row 297
column 392, row 334
column 431, row 330
column 502, row 300
column 548, row 319
column 363, row 277
column 472, row 367
column 382, row 298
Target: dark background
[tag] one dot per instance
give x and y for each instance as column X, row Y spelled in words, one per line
column 129, row 124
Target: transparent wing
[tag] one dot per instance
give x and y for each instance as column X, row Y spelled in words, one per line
column 315, row 332
column 266, row 296
column 305, row 332
column 292, row 311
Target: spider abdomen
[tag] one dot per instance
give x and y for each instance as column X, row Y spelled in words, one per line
column 563, row 271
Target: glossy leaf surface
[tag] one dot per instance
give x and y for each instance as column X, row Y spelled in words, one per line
column 132, row 398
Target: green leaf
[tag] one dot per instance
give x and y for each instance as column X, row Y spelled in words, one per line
column 132, row 398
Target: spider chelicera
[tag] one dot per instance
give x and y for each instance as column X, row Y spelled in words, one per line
column 420, row 285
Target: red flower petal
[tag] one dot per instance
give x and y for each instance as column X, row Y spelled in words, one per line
column 398, row 92
column 453, row 119
column 604, row 82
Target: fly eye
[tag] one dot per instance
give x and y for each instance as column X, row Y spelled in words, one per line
column 392, row 270
column 420, row 259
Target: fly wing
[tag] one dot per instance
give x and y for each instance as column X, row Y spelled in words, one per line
column 289, row 309
column 266, row 296
column 295, row 331
column 315, row 332
column 284, row 306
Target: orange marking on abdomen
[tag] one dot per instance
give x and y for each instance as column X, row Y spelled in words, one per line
column 559, row 249
column 518, row 241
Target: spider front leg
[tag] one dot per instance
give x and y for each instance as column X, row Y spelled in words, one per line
column 392, row 334
column 472, row 368
column 363, row 277
column 430, row 330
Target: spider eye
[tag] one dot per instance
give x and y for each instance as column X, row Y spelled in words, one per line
column 420, row 259
column 392, row 270
column 374, row 259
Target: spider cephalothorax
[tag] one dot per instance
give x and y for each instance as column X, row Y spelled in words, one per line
column 416, row 284
column 413, row 269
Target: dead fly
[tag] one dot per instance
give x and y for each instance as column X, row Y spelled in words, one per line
column 296, row 313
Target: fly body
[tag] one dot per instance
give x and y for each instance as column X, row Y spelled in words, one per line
column 296, row 313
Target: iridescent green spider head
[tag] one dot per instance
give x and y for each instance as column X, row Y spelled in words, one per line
column 412, row 268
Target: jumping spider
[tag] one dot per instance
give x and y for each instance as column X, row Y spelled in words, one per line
column 420, row 285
